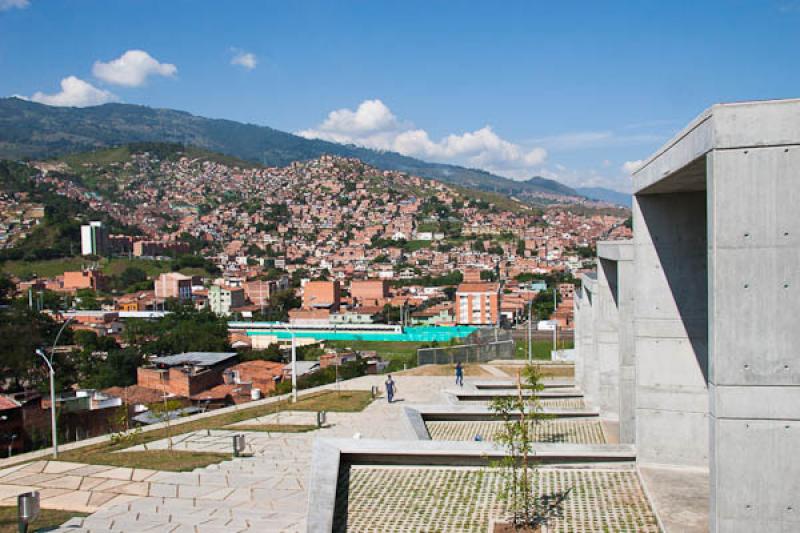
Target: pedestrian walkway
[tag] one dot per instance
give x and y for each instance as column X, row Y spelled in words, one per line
column 265, row 492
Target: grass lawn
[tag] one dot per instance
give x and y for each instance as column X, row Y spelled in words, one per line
column 174, row 461
column 273, row 428
column 112, row 267
column 541, row 349
column 385, row 349
column 48, row 518
column 177, row 461
column 343, row 401
column 413, row 246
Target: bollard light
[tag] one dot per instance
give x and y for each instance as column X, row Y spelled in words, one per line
column 321, row 418
column 238, row 444
column 27, row 509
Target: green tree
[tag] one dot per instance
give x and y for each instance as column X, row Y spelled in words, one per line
column 22, row 331
column 183, row 330
column 129, row 277
column 521, row 414
column 6, row 289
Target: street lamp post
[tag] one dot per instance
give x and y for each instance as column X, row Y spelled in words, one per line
column 530, row 318
column 555, row 320
column 41, row 354
column 294, row 363
column 49, row 363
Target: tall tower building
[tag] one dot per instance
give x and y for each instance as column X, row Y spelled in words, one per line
column 94, row 239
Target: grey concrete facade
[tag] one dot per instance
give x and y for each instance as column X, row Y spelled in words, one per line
column 586, row 367
column 615, row 271
column 706, row 335
column 717, row 235
column 670, row 328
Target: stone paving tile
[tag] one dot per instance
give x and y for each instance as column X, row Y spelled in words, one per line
column 63, row 482
column 73, row 500
column 7, row 492
column 142, row 474
column 571, row 430
column 120, row 473
column 60, row 467
column 163, row 489
column 265, row 492
column 34, row 467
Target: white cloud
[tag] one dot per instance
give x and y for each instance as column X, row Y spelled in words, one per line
column 244, row 59
column 588, row 178
column 629, row 167
column 373, row 125
column 132, row 69
column 580, row 140
column 13, row 4
column 75, row 93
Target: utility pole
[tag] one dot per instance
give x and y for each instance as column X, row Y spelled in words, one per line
column 530, row 319
column 555, row 321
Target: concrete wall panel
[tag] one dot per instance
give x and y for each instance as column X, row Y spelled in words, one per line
column 754, row 375
column 670, row 328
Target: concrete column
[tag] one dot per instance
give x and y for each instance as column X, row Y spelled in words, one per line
column 577, row 339
column 591, row 378
column 754, row 338
column 670, row 327
column 615, row 271
column 606, row 321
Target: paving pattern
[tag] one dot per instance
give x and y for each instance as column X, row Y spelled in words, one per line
column 571, row 430
column 74, row 486
column 404, row 499
column 268, row 490
column 563, row 403
column 265, row 492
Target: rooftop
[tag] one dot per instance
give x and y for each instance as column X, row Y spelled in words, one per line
column 195, row 358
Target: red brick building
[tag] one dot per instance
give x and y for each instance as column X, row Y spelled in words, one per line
column 322, row 294
column 185, row 374
column 370, row 291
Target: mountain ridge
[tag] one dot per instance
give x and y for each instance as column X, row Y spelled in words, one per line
column 29, row 130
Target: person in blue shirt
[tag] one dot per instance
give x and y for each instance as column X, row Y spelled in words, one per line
column 391, row 388
column 459, row 374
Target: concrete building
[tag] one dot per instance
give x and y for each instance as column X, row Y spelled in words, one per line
column 84, row 279
column 94, row 239
column 173, row 285
column 224, row 300
column 369, row 290
column 478, row 303
column 322, row 295
column 159, row 248
column 712, row 334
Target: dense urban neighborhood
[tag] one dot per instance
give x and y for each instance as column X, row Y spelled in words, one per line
column 401, row 267
column 192, row 252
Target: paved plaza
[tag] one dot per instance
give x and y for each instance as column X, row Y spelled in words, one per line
column 268, row 489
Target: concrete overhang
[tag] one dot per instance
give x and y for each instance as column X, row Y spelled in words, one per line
column 615, row 250
column 589, row 281
column 679, row 165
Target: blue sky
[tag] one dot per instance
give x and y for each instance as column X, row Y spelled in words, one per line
column 569, row 90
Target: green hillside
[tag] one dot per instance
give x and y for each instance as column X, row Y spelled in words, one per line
column 29, row 131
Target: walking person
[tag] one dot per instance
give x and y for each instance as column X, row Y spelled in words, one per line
column 459, row 374
column 391, row 388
